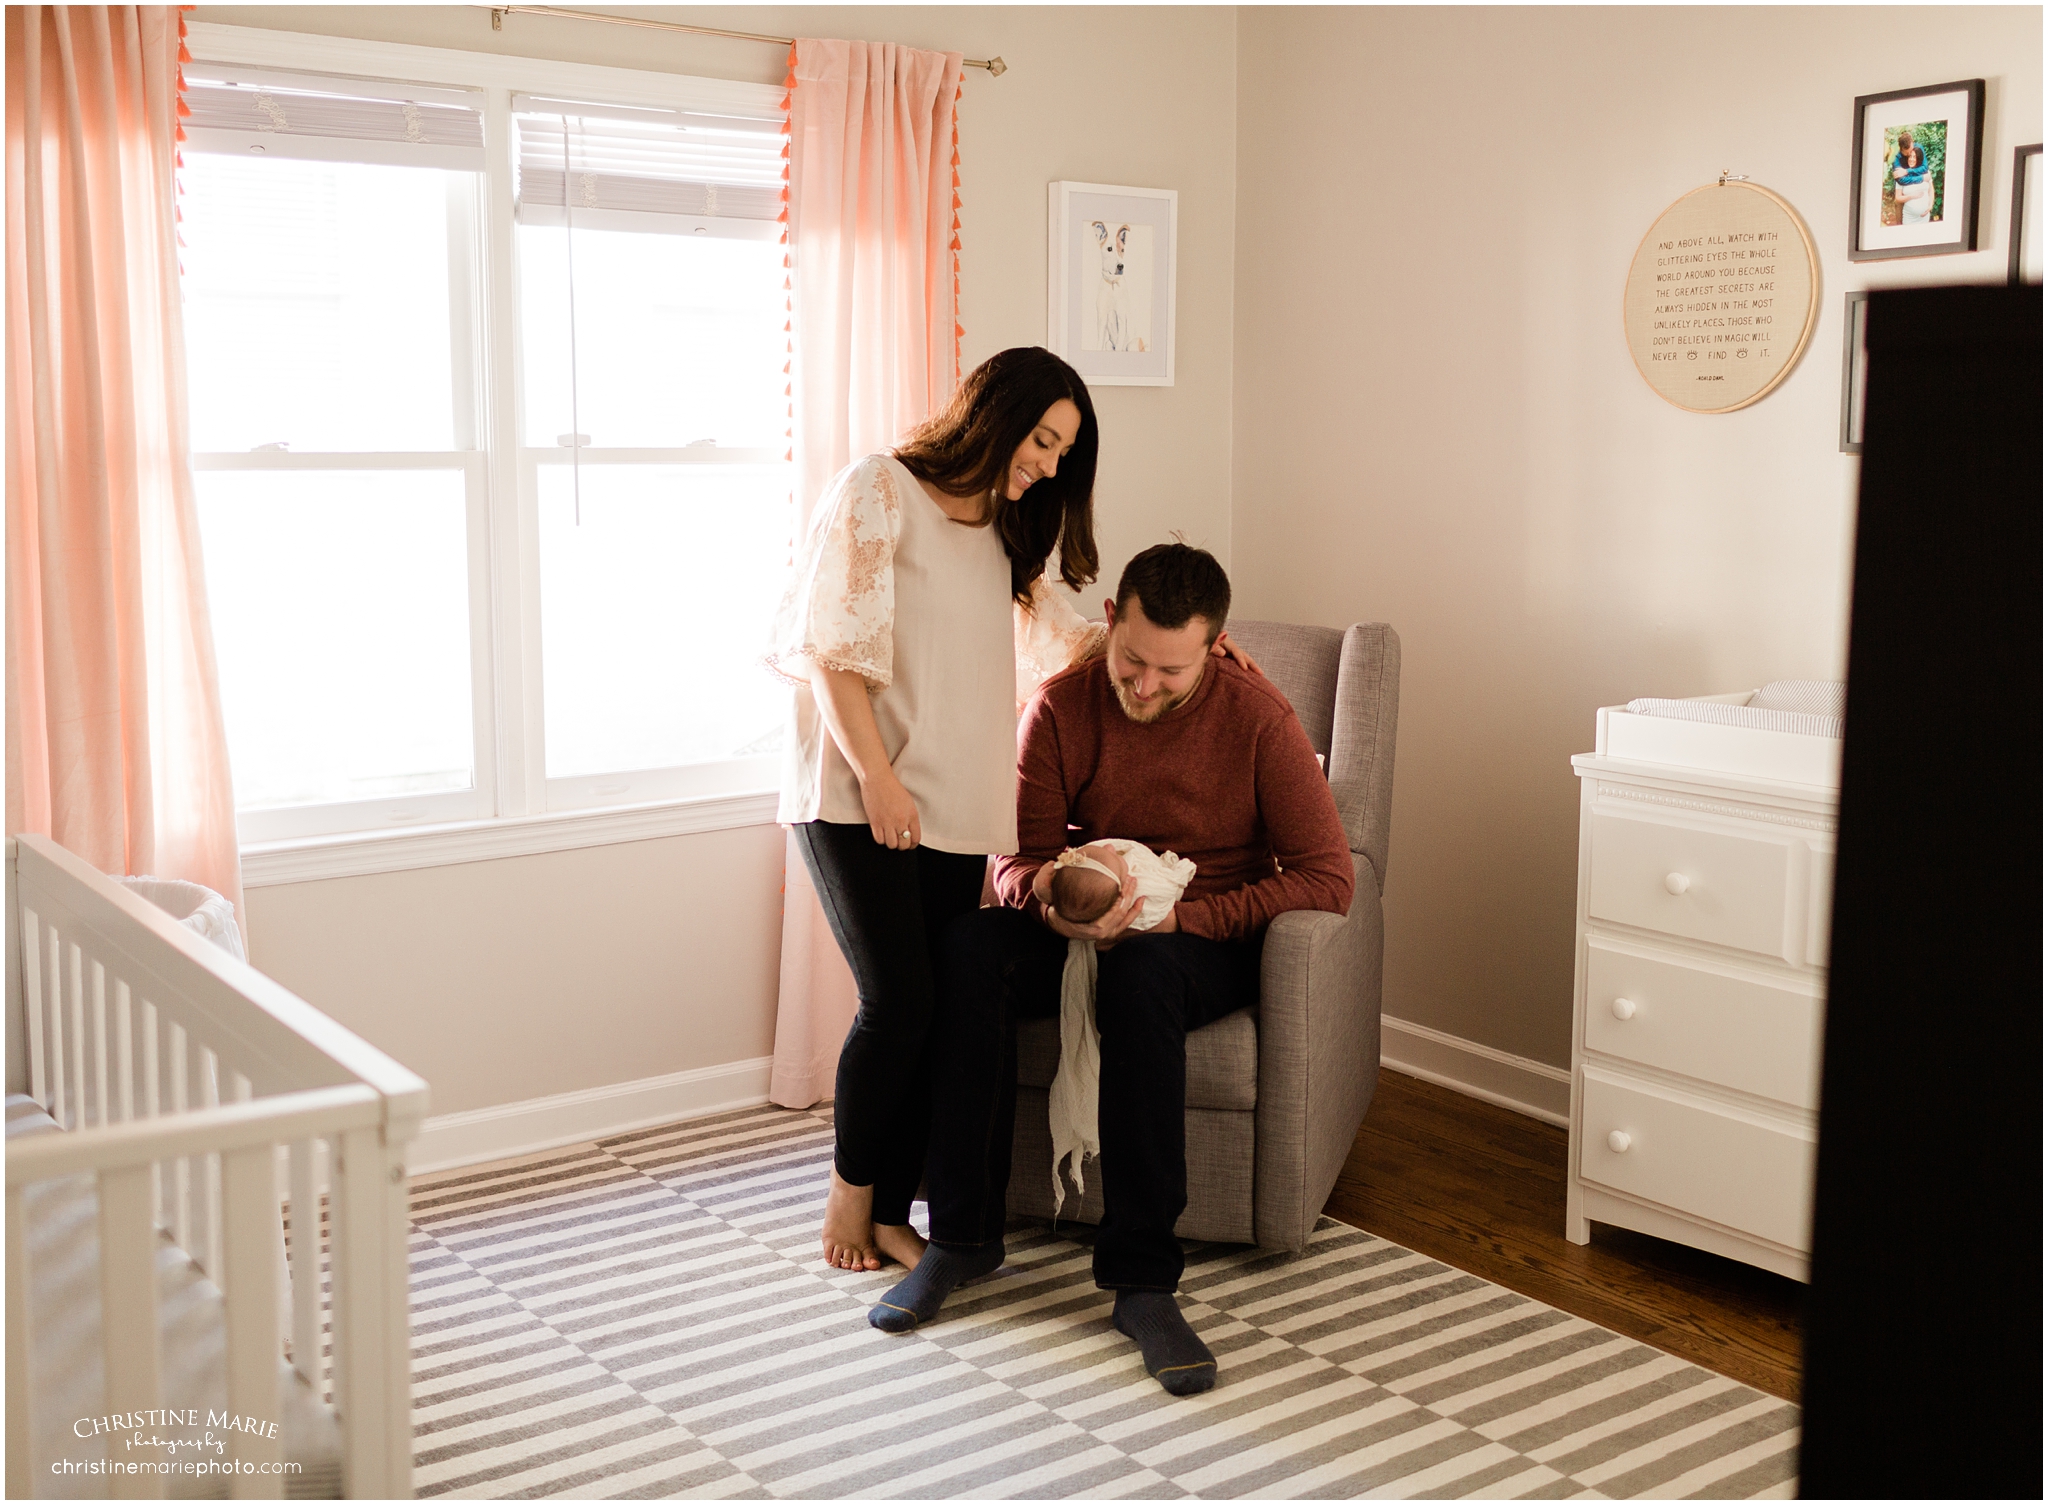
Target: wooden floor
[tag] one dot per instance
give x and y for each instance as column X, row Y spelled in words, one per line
column 1482, row 1188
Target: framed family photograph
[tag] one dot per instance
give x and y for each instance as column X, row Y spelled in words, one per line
column 1110, row 281
column 1914, row 171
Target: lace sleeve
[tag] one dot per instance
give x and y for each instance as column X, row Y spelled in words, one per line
column 1050, row 635
column 839, row 607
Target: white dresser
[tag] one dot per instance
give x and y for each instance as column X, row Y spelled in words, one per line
column 1706, row 855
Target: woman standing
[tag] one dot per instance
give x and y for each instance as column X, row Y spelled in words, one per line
column 918, row 603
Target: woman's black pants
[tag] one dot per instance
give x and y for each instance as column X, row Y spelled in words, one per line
column 888, row 911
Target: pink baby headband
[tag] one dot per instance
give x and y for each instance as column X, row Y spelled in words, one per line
column 1075, row 857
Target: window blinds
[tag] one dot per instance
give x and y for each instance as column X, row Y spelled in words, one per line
column 249, row 112
column 648, row 169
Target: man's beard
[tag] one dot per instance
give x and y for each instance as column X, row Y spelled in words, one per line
column 1143, row 711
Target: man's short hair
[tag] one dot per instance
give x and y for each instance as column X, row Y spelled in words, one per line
column 1175, row 582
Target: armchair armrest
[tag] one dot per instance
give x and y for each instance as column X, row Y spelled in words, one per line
column 1319, row 1056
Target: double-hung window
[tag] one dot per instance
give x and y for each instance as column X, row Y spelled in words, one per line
column 652, row 317
column 489, row 417
column 330, row 270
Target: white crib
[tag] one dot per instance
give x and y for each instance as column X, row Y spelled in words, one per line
column 145, row 1263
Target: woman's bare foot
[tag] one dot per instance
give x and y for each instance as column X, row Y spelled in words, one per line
column 849, row 1232
column 900, row 1242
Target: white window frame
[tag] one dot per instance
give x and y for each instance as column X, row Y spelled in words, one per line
column 513, row 808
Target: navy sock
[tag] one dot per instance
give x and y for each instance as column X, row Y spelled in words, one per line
column 916, row 1298
column 1174, row 1356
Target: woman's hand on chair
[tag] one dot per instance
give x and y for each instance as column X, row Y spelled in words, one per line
column 892, row 813
column 1223, row 647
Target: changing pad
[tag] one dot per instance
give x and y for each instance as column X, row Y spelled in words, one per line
column 1810, row 707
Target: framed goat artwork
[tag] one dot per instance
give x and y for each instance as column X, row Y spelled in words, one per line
column 1110, row 281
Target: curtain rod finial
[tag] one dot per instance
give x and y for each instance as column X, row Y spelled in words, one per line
column 997, row 67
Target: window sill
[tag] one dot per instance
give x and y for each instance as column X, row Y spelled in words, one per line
column 358, row 854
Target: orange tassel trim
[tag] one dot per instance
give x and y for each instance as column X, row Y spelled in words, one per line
column 959, row 333
column 180, row 114
column 788, row 300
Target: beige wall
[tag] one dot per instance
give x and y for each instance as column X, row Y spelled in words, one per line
column 1437, row 422
column 502, row 981
column 528, row 976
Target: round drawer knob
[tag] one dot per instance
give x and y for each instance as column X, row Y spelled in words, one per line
column 1624, row 1008
column 1618, row 1142
column 1676, row 883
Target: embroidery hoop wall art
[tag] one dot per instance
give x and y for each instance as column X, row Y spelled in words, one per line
column 1109, row 263
column 1721, row 297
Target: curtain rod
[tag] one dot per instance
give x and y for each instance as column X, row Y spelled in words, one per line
column 995, row 65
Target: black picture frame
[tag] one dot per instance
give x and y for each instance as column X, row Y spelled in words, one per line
column 1855, row 309
column 1973, row 133
column 2019, row 210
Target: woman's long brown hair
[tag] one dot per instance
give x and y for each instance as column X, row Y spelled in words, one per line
column 964, row 449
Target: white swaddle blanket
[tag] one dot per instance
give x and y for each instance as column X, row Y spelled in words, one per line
column 1077, row 1085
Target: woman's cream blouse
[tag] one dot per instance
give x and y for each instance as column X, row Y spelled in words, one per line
column 887, row 586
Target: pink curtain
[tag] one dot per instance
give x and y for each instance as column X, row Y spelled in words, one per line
column 115, row 745
column 874, row 243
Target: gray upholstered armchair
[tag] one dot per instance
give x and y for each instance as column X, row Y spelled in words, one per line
column 1275, row 1095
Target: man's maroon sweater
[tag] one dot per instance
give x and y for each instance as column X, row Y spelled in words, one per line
column 1226, row 779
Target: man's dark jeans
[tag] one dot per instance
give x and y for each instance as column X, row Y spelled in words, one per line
column 998, row 966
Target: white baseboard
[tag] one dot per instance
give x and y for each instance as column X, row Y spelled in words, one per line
column 1516, row 1082
column 449, row 1141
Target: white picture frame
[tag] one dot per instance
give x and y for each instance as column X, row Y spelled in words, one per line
column 1110, row 293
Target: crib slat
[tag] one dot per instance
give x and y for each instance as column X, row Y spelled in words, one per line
column 152, row 1084
column 56, row 974
column 20, row 1463
column 128, row 1306
column 306, row 1356
column 32, row 981
column 179, row 1191
column 207, row 1168
column 124, row 1050
column 99, row 1041
column 75, row 993
column 280, row 1165
column 372, row 1387
column 249, row 1230
column 338, row 1298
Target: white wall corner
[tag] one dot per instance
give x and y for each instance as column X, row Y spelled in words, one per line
column 1516, row 1082
column 449, row 1141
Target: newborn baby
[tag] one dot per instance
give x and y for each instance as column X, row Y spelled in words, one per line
column 1082, row 885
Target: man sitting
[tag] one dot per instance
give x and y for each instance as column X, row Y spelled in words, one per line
column 1159, row 741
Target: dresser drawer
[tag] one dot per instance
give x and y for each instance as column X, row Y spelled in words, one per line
column 1733, row 1031
column 1822, row 914
column 1732, row 890
column 1745, row 1174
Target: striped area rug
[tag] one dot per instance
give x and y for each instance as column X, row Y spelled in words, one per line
column 647, row 1317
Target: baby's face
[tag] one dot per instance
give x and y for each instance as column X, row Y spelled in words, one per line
column 1110, row 858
